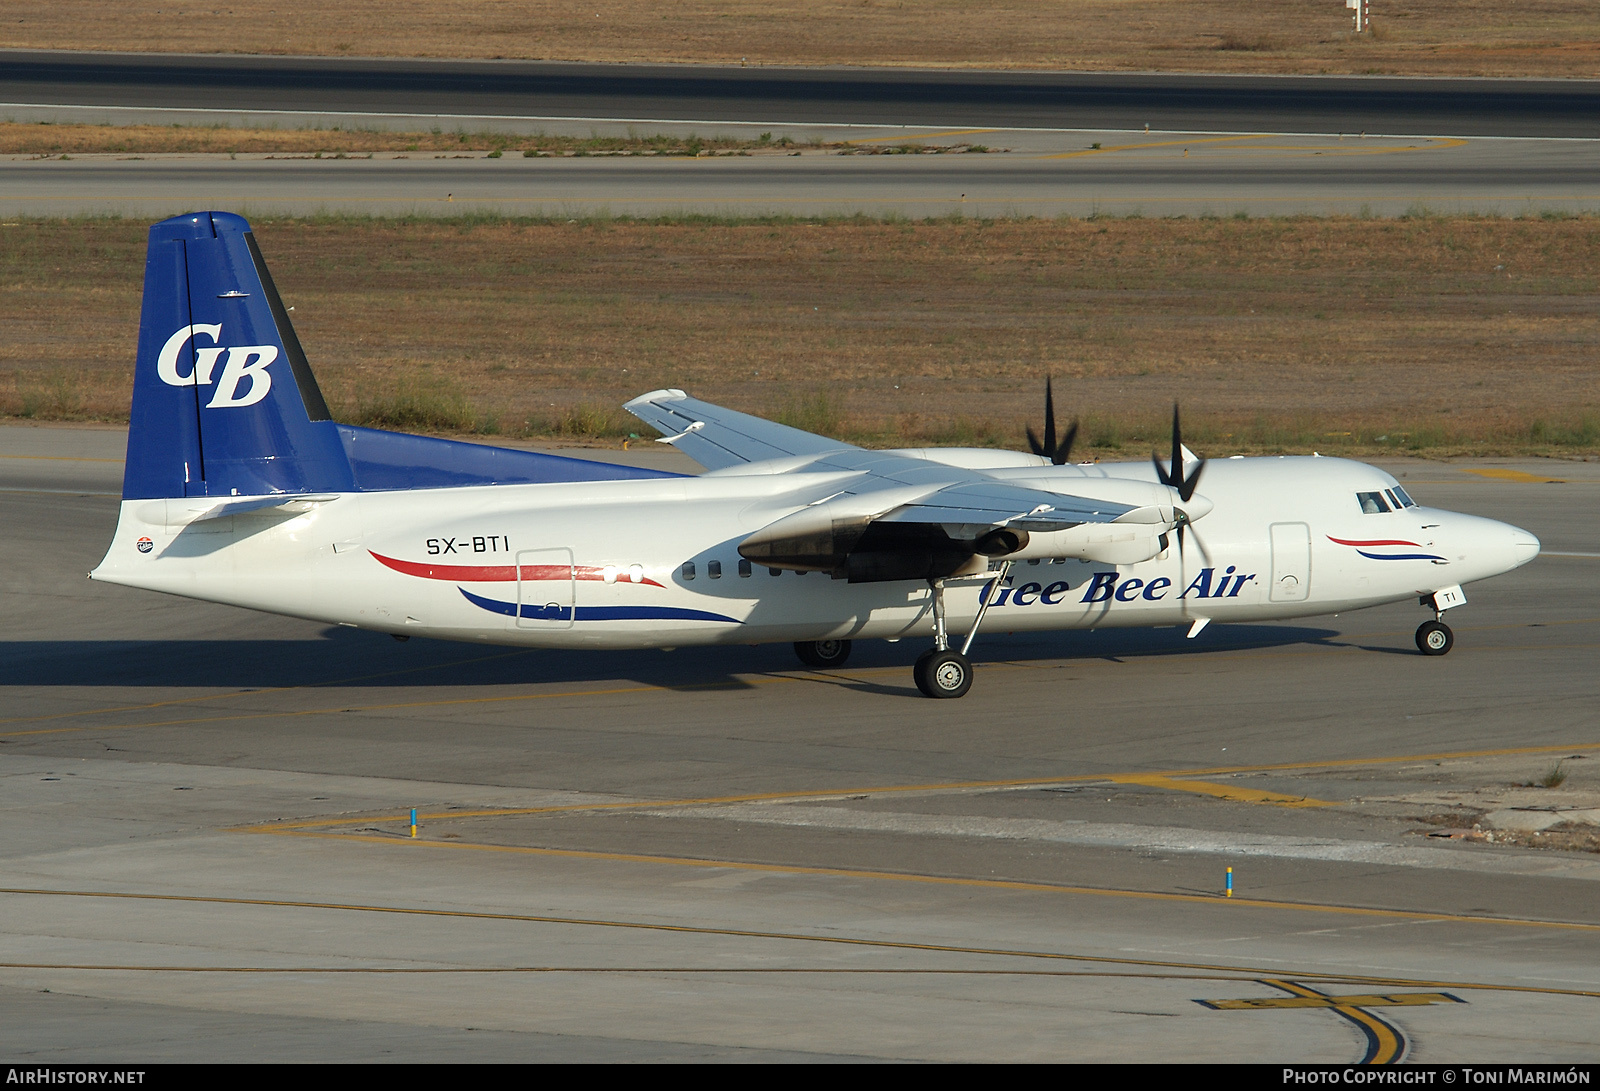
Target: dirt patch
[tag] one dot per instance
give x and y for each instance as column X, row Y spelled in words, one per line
column 1351, row 336
column 1567, row 837
column 46, row 139
column 1466, row 37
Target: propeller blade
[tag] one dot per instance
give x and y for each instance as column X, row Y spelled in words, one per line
column 1064, row 451
column 1049, row 421
column 1033, row 442
column 1176, row 478
column 1057, row 453
column 1186, row 490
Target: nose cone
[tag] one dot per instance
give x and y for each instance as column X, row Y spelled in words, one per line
column 1476, row 548
column 1524, row 546
column 1197, row 507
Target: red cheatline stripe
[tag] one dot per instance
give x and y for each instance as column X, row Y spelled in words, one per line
column 1374, row 542
column 501, row 573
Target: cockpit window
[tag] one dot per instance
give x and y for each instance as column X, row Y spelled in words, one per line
column 1405, row 498
column 1372, row 502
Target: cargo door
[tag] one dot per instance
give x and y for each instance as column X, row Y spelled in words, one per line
column 546, row 589
column 1291, row 562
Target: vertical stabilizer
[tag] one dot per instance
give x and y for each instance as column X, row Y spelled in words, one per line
column 224, row 402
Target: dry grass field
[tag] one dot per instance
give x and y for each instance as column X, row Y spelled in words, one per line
column 46, row 139
column 43, row 139
column 1414, row 37
column 1442, row 335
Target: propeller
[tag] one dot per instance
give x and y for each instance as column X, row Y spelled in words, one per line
column 1174, row 477
column 1049, row 448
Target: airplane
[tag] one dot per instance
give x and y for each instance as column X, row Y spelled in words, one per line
column 241, row 488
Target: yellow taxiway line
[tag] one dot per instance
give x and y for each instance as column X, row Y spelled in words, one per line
column 1517, row 475
column 1176, row 779
column 1015, row 885
column 1384, row 1042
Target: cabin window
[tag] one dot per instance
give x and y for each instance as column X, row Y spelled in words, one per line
column 1372, row 503
column 744, row 568
column 688, row 570
column 774, row 571
column 714, row 570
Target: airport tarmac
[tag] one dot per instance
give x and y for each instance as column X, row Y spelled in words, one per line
column 714, row 854
column 1025, row 172
column 516, row 92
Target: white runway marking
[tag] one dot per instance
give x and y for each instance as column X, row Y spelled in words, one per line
column 1123, row 835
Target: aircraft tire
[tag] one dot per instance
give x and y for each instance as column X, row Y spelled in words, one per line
column 1434, row 638
column 943, row 674
column 822, row 654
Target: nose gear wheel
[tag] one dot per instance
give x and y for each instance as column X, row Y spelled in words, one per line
column 1434, row 638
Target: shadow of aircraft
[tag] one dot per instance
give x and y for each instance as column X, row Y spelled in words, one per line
column 352, row 658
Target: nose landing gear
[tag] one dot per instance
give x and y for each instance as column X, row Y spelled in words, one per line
column 1434, row 638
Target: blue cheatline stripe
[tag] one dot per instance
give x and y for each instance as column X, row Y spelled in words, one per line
column 1399, row 556
column 553, row 612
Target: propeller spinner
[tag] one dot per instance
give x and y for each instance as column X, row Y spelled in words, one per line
column 1057, row 453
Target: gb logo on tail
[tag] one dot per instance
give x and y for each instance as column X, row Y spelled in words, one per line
column 243, row 362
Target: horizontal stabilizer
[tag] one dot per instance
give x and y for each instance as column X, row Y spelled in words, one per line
column 718, row 438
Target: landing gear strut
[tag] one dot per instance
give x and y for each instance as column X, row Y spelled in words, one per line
column 1434, row 637
column 822, row 654
column 942, row 671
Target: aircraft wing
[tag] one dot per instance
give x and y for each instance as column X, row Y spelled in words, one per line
column 994, row 504
column 717, row 438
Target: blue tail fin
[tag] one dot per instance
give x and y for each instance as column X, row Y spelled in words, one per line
column 224, row 402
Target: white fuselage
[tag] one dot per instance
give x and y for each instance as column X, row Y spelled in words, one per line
column 608, row 564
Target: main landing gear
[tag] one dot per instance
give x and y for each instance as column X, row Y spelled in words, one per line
column 822, row 654
column 942, row 671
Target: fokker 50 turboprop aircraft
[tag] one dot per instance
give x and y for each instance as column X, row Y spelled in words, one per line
column 240, row 488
